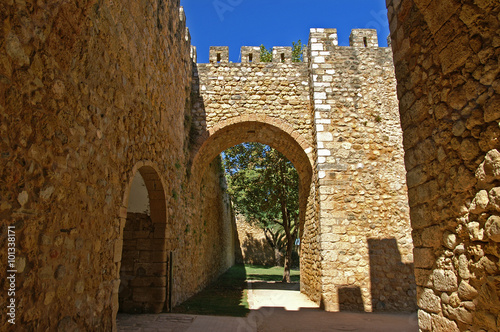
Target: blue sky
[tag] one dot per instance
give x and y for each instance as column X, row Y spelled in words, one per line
column 237, row 23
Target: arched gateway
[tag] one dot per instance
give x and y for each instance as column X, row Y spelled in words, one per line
column 335, row 117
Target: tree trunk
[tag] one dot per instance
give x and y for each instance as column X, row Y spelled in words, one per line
column 286, row 226
column 288, row 259
column 277, row 256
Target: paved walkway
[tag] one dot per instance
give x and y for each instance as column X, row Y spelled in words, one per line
column 274, row 308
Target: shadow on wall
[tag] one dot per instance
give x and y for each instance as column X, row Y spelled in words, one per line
column 196, row 122
column 350, row 299
column 393, row 287
column 392, row 281
column 256, row 251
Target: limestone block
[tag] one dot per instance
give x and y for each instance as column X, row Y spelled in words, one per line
column 494, row 198
column 489, row 169
column 476, row 233
column 442, row 324
column 325, row 136
column 424, row 320
column 466, row 291
column 460, row 314
column 450, row 240
column 445, row 281
column 480, row 202
column 488, row 265
column 463, row 267
column 492, row 228
column 427, row 300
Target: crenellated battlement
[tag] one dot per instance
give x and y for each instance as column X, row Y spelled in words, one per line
column 250, row 54
column 319, row 40
column 219, row 54
column 363, row 38
column 359, row 38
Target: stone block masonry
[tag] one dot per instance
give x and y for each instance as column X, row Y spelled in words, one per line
column 446, row 57
column 94, row 92
column 340, row 106
column 365, row 241
column 91, row 93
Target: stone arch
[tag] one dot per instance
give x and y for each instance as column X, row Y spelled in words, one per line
column 262, row 129
column 141, row 253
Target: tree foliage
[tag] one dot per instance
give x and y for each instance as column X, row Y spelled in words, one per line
column 263, row 185
column 266, row 55
column 297, row 51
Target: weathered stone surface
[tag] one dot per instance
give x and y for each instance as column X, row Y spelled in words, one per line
column 428, row 301
column 254, row 248
column 443, row 324
column 451, row 64
column 494, row 198
column 486, row 320
column 89, row 90
column 480, row 202
column 241, row 101
column 489, row 169
column 450, row 240
column 492, row 228
column 89, row 93
column 476, row 233
column 424, row 257
column 361, row 130
column 444, row 281
column 466, row 291
column 460, row 315
column 424, row 320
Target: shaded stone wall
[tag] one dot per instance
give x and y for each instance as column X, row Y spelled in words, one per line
column 363, row 210
column 254, row 247
column 143, row 270
column 206, row 238
column 90, row 92
column 446, row 57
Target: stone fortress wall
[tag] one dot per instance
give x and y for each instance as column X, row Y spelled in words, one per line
column 342, row 102
column 366, row 245
column 94, row 93
column 446, row 55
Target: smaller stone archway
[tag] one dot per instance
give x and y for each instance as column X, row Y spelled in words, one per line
column 143, row 257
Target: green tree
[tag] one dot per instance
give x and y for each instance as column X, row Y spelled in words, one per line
column 264, row 187
column 266, row 55
column 297, row 51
